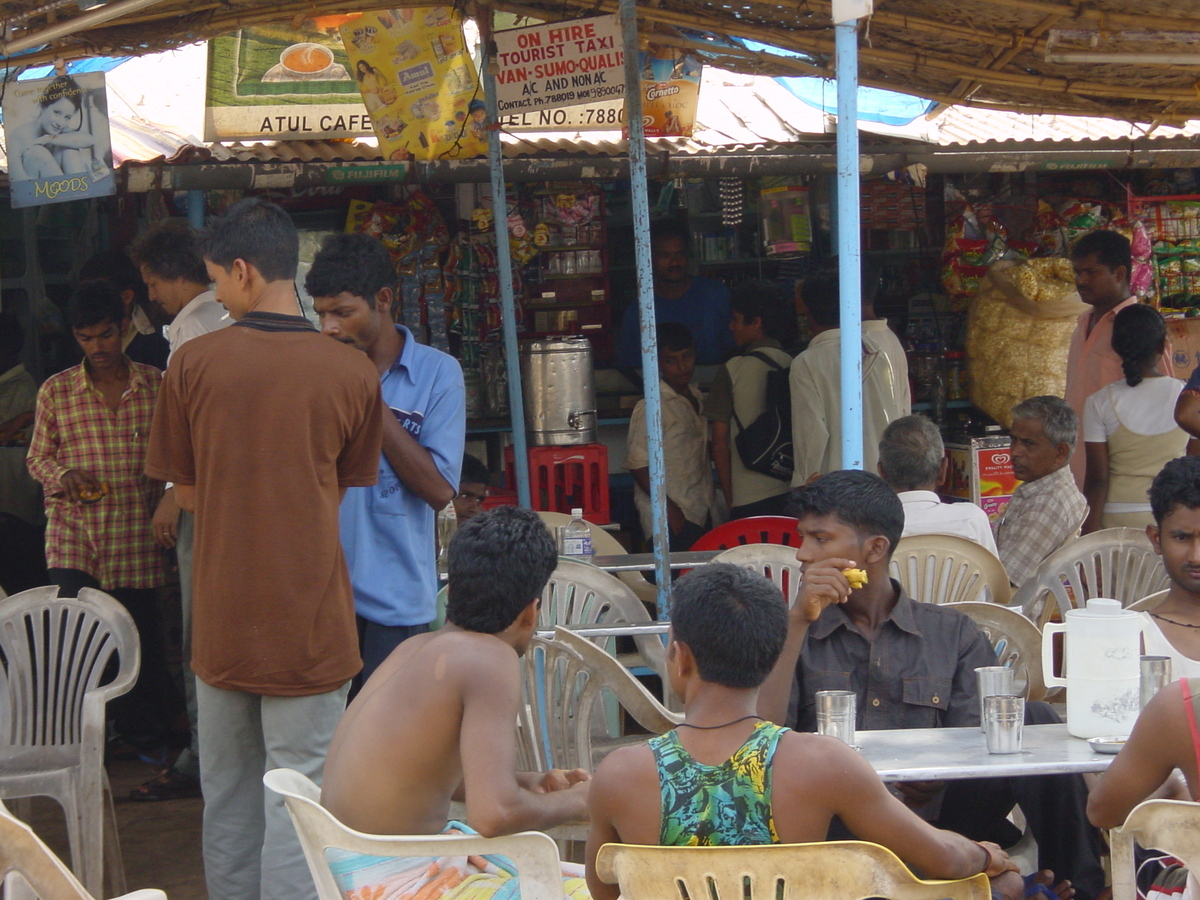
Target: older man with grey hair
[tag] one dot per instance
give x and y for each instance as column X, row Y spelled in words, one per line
column 912, row 460
column 1047, row 510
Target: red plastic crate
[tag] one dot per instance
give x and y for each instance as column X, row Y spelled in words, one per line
column 499, row 497
column 565, row 478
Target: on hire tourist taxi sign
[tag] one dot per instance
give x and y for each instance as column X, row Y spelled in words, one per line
column 559, row 64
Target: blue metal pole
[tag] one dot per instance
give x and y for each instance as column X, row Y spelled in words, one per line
column 508, row 315
column 195, row 208
column 645, row 287
column 848, row 243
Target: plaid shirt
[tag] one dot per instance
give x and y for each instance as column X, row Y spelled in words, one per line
column 1040, row 516
column 74, row 429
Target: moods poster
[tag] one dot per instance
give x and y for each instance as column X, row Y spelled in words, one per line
column 56, row 134
column 418, row 83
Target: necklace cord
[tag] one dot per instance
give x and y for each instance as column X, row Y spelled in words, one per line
column 714, row 727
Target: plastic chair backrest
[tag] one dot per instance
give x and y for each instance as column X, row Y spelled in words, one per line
column 833, row 870
column 1017, row 641
column 775, row 562
column 754, row 530
column 946, row 568
column 1172, row 826
column 1119, row 563
column 533, row 854
column 1149, row 602
column 580, row 594
column 604, row 544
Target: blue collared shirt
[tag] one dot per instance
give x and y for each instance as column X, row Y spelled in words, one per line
column 388, row 532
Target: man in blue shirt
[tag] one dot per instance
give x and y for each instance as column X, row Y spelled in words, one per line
column 702, row 304
column 388, row 529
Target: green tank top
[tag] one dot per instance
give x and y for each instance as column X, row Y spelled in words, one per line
column 717, row 805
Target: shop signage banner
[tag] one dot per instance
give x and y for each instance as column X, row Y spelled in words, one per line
column 418, row 83
column 559, row 65
column 283, row 83
column 56, row 136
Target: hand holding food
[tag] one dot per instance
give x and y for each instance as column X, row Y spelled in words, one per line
column 856, row 577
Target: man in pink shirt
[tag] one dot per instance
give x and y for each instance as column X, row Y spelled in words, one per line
column 1102, row 262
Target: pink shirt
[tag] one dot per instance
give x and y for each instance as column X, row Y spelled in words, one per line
column 1091, row 364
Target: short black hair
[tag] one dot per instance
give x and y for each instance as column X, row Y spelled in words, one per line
column 12, row 335
column 769, row 302
column 356, row 264
column 168, row 249
column 734, row 621
column 95, row 302
column 497, row 564
column 861, row 500
column 258, row 232
column 674, row 336
column 1138, row 336
column 1112, row 249
column 474, row 471
column 822, row 296
column 118, row 270
column 662, row 229
column 1178, row 484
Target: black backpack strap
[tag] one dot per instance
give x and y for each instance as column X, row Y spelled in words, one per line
column 759, row 355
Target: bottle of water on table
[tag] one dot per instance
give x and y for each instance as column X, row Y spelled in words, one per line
column 577, row 538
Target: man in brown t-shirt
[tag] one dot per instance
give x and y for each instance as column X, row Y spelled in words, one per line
column 261, row 427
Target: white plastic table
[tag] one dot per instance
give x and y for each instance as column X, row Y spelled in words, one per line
column 644, row 562
column 936, row 754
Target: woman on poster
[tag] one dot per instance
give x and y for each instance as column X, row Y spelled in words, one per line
column 60, row 136
column 377, row 91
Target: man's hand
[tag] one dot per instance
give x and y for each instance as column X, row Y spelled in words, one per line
column 164, row 525
column 918, row 794
column 76, row 482
column 823, row 584
column 998, row 861
column 560, row 780
column 676, row 520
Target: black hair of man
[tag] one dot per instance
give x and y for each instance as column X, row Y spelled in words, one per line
column 497, row 564
column 733, row 620
column 12, row 336
column 770, row 303
column 910, row 453
column 663, row 229
column 356, row 264
column 474, row 471
column 673, row 337
column 169, row 250
column 1111, row 248
column 258, row 232
column 859, row 499
column 821, row 293
column 95, row 302
column 118, row 270
column 1138, row 337
column 1177, row 484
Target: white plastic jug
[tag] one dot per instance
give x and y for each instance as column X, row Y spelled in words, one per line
column 1100, row 667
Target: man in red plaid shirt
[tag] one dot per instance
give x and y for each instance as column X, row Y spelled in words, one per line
column 88, row 451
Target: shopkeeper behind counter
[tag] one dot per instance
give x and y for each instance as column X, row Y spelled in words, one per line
column 700, row 304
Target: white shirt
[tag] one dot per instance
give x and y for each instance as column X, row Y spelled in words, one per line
column 201, row 315
column 925, row 513
column 1155, row 643
column 1147, row 409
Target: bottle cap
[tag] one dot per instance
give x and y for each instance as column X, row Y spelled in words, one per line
column 577, row 514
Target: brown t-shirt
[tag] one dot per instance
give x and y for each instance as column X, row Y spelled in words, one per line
column 268, row 420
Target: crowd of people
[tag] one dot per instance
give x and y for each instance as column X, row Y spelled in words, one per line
column 297, row 480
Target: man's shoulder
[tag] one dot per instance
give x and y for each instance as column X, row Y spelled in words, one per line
column 437, row 364
column 708, row 288
column 61, row 380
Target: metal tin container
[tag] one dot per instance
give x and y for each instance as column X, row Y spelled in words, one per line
column 560, row 390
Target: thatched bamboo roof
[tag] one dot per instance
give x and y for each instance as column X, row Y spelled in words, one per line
column 1015, row 55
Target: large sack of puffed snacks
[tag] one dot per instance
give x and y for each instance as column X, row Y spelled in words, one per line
column 1018, row 333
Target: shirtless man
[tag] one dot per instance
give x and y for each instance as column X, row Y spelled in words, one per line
column 728, row 627
column 436, row 721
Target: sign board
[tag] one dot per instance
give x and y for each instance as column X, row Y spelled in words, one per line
column 57, row 140
column 560, row 64
column 670, row 91
column 418, row 82
column 283, row 83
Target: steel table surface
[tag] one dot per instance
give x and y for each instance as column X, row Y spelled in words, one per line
column 935, row 754
column 644, row 562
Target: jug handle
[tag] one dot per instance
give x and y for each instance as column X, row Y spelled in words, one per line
column 1048, row 631
column 575, row 418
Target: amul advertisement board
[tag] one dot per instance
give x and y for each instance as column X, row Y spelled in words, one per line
column 56, row 136
column 278, row 82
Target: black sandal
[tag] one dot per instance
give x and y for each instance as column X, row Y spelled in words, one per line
column 170, row 785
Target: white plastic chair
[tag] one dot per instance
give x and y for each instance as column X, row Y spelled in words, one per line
column 1172, row 826
column 1149, row 602
column 1119, row 563
column 604, row 544
column 773, row 561
column 833, row 870
column 55, row 650
column 946, row 568
column 1018, row 643
column 532, row 853
column 23, row 853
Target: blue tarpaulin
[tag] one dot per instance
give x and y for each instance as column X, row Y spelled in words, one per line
column 78, row 67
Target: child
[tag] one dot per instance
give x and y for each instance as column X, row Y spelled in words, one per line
column 685, row 444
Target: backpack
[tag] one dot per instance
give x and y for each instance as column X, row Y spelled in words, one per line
column 765, row 445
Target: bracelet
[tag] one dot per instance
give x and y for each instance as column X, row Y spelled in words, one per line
column 987, row 858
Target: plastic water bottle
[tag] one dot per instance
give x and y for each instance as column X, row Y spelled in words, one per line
column 577, row 537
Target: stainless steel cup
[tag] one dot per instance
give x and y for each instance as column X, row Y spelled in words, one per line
column 992, row 680
column 836, row 712
column 1156, row 674
column 1004, row 721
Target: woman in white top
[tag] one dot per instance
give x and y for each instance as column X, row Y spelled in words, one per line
column 1129, row 428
